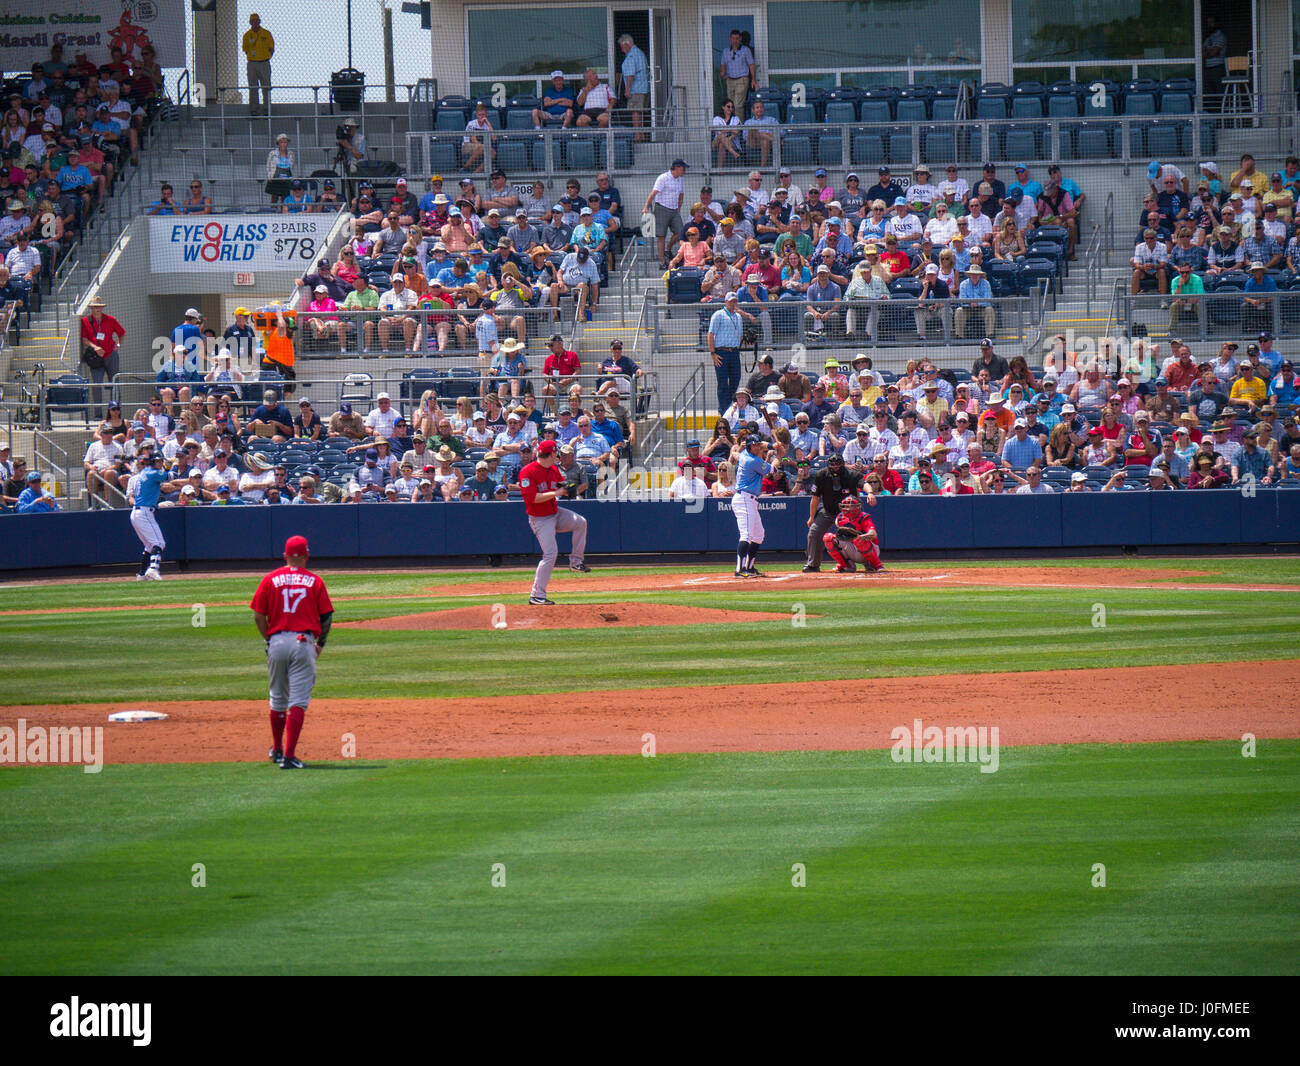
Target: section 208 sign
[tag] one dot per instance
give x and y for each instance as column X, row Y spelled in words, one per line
column 248, row 242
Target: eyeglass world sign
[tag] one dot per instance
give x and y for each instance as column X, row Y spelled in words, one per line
column 75, row 1018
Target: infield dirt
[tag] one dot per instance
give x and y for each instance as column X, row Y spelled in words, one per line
column 1205, row 701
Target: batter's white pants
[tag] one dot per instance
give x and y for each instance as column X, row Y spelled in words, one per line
column 745, row 508
column 146, row 528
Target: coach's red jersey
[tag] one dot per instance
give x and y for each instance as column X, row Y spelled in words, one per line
column 292, row 600
column 535, row 478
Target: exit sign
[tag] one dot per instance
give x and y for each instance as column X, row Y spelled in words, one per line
column 244, row 278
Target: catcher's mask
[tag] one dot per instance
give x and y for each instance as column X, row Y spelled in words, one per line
column 850, row 503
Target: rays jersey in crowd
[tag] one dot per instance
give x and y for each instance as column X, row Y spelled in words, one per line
column 749, row 474
column 146, row 486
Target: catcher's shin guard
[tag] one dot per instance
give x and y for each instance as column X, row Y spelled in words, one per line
column 832, row 546
column 869, row 552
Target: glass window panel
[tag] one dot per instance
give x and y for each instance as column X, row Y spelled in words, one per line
column 511, row 42
column 811, row 81
column 845, row 34
column 1102, row 29
column 482, row 90
column 1121, row 74
column 1046, row 75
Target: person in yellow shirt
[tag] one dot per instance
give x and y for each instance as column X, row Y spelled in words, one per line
column 1279, row 194
column 259, row 47
column 1249, row 389
column 932, row 408
column 1249, row 177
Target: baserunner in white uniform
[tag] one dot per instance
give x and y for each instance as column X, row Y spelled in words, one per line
column 744, row 505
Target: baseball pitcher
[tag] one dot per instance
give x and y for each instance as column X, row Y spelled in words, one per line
column 542, row 483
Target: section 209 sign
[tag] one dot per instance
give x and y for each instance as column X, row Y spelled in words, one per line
column 249, row 242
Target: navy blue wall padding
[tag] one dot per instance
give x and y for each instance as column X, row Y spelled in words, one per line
column 1063, row 520
column 1016, row 521
column 331, row 531
column 603, row 526
column 642, row 528
column 1198, row 517
column 943, row 522
column 1105, row 518
column 1259, row 514
column 239, row 532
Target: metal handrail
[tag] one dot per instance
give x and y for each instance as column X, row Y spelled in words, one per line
column 41, row 438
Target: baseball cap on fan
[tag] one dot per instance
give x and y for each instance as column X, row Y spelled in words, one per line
column 296, row 545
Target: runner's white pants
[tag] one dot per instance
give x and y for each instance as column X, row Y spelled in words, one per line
column 745, row 508
column 145, row 524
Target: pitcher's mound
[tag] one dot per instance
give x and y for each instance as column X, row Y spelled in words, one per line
column 567, row 616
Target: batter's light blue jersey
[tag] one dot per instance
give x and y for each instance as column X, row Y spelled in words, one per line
column 749, row 474
column 149, row 486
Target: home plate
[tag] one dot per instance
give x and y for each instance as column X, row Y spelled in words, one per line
column 136, row 716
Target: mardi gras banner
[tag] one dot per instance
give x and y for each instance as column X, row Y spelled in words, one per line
column 92, row 27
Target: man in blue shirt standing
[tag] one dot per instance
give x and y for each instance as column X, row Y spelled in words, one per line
column 635, row 74
column 725, row 331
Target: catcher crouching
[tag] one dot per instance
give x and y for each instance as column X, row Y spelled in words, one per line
column 854, row 539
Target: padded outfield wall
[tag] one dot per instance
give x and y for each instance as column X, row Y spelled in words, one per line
column 449, row 530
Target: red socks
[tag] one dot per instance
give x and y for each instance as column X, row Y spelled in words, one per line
column 277, row 730
column 296, row 715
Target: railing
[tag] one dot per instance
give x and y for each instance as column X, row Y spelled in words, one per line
column 1214, row 316
column 627, row 278
column 1093, row 262
column 239, row 195
column 882, row 323
column 50, row 457
column 847, row 144
column 686, row 406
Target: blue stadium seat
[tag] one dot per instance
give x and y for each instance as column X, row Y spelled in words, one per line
column 913, row 110
column 938, row 148
column 519, row 118
column 992, row 107
column 796, row 148
column 1109, row 100
column 580, row 153
column 1140, row 103
column 1003, row 277
column 802, row 114
column 1092, row 142
column 684, row 286
column 512, row 156
column 841, row 111
column 1026, row 106
column 900, row 147
column 1162, row 140
column 876, row 111
column 867, row 148
column 1062, row 105
column 943, row 109
column 1176, row 103
column 830, row 148
column 1021, row 143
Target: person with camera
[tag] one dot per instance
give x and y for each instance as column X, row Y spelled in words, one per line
column 100, row 336
column 351, row 145
column 166, row 203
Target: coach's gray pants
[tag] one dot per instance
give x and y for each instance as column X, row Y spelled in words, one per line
column 544, row 529
column 821, row 526
column 259, row 85
column 291, row 663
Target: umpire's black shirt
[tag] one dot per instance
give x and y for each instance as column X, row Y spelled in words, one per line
column 832, row 486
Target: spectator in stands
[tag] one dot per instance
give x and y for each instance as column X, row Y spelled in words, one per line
column 1008, row 242
column 976, row 298
column 271, row 418
column 1257, row 302
column 594, row 101
column 823, row 298
column 666, row 198
column 281, row 164
column 1249, row 390
column 634, row 81
column 100, row 336
column 395, row 301
column 478, row 133
column 578, row 271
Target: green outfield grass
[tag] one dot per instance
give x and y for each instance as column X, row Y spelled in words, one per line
column 856, row 630
column 674, row 864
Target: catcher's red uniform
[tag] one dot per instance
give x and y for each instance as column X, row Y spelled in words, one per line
column 848, row 542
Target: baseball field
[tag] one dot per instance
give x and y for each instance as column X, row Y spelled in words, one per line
column 1067, row 766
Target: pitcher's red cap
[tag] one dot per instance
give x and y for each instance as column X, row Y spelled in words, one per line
column 295, row 546
column 546, row 447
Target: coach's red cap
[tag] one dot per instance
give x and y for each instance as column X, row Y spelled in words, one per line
column 295, row 546
column 547, row 447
